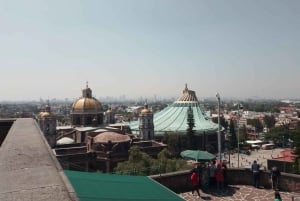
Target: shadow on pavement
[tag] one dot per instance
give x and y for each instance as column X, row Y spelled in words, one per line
column 228, row 191
column 206, row 198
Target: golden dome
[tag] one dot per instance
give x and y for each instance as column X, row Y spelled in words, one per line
column 87, row 104
column 146, row 111
column 45, row 115
column 113, row 137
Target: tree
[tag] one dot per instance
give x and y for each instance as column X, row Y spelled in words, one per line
column 223, row 122
column 278, row 134
column 191, row 125
column 168, row 164
column 296, row 139
column 269, row 121
column 233, row 139
column 140, row 163
column 190, row 120
column 173, row 144
column 243, row 133
column 295, row 135
column 256, row 123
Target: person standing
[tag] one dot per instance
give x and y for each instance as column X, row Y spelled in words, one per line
column 212, row 174
column 195, row 182
column 275, row 174
column 255, row 171
column 224, row 168
column 220, row 177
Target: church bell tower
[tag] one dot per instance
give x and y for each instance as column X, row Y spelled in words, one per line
column 47, row 123
column 146, row 125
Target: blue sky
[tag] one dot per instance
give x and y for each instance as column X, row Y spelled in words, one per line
column 142, row 48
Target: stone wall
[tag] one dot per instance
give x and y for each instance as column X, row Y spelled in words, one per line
column 176, row 181
column 180, row 181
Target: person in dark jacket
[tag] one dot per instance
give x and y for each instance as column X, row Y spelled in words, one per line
column 275, row 174
column 255, row 171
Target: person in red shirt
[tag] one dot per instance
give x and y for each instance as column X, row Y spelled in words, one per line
column 195, row 182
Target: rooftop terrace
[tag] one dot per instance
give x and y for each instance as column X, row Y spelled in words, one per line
column 30, row 171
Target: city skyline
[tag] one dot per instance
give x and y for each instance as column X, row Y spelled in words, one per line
column 139, row 48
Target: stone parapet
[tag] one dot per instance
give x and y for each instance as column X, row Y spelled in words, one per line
column 28, row 168
column 180, row 181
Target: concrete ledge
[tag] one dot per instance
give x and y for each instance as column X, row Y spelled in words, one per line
column 28, row 167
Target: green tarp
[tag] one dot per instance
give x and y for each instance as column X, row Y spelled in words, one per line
column 102, row 187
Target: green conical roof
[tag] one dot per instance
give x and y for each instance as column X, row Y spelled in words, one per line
column 174, row 117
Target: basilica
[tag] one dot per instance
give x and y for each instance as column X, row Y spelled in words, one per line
column 173, row 119
column 93, row 141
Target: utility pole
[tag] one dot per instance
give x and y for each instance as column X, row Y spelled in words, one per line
column 238, row 133
column 219, row 133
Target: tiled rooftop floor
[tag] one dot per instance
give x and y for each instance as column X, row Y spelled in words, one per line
column 240, row 193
